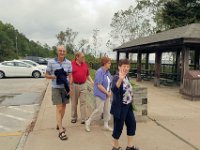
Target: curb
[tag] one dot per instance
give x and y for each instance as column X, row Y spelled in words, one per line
column 30, row 127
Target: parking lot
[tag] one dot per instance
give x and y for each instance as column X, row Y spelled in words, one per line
column 20, row 99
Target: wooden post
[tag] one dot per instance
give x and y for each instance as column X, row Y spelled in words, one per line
column 127, row 55
column 177, row 66
column 147, row 64
column 196, row 61
column 117, row 61
column 157, row 68
column 139, row 60
column 185, row 63
column 118, row 55
column 186, row 60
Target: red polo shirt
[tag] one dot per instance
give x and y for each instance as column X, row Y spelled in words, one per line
column 79, row 72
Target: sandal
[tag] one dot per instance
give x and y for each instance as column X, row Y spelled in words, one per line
column 73, row 121
column 132, row 148
column 119, row 148
column 62, row 136
column 57, row 128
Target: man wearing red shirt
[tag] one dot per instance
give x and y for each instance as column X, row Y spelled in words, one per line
column 80, row 73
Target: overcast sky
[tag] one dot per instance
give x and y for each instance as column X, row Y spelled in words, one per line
column 41, row 20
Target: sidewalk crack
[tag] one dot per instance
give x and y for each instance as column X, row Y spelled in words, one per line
column 173, row 133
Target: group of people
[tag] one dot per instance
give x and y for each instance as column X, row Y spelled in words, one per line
column 69, row 82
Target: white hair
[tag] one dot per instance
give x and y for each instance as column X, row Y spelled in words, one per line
column 61, row 47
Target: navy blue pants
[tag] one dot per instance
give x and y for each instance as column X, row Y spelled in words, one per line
column 126, row 117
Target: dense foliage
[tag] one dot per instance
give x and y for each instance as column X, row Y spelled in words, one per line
column 14, row 44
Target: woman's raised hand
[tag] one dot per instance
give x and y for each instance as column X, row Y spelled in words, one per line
column 122, row 73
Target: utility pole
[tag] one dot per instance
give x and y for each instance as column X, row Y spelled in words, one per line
column 16, row 44
column 95, row 33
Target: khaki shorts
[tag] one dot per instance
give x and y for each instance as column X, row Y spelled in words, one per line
column 59, row 96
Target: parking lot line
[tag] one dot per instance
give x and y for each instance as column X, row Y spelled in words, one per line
column 5, row 128
column 10, row 134
column 31, row 105
column 13, row 117
column 18, row 109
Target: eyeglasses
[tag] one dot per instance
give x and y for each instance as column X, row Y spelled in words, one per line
column 61, row 51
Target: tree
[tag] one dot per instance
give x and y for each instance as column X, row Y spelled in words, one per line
column 96, row 40
column 53, row 52
column 15, row 45
column 132, row 23
column 168, row 14
column 178, row 13
column 88, row 49
column 119, row 25
column 6, row 48
column 70, row 36
column 82, row 43
column 67, row 38
column 61, row 38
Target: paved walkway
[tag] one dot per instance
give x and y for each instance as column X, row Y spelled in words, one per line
column 173, row 125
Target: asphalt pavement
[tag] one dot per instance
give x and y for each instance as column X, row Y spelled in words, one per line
column 20, row 100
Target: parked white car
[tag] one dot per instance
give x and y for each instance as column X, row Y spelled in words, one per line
column 30, row 62
column 16, row 68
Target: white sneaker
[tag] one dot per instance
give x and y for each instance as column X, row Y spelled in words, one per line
column 87, row 126
column 107, row 128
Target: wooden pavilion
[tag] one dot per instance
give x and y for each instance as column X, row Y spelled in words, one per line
column 180, row 40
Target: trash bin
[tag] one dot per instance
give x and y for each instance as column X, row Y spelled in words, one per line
column 191, row 85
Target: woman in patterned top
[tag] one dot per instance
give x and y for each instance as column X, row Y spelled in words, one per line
column 122, row 106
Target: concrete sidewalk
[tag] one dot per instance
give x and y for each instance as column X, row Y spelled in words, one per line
column 175, row 126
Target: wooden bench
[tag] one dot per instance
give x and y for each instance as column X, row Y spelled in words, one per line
column 166, row 82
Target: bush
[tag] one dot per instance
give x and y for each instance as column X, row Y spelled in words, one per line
column 92, row 73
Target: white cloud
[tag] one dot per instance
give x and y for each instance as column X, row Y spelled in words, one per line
column 41, row 20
